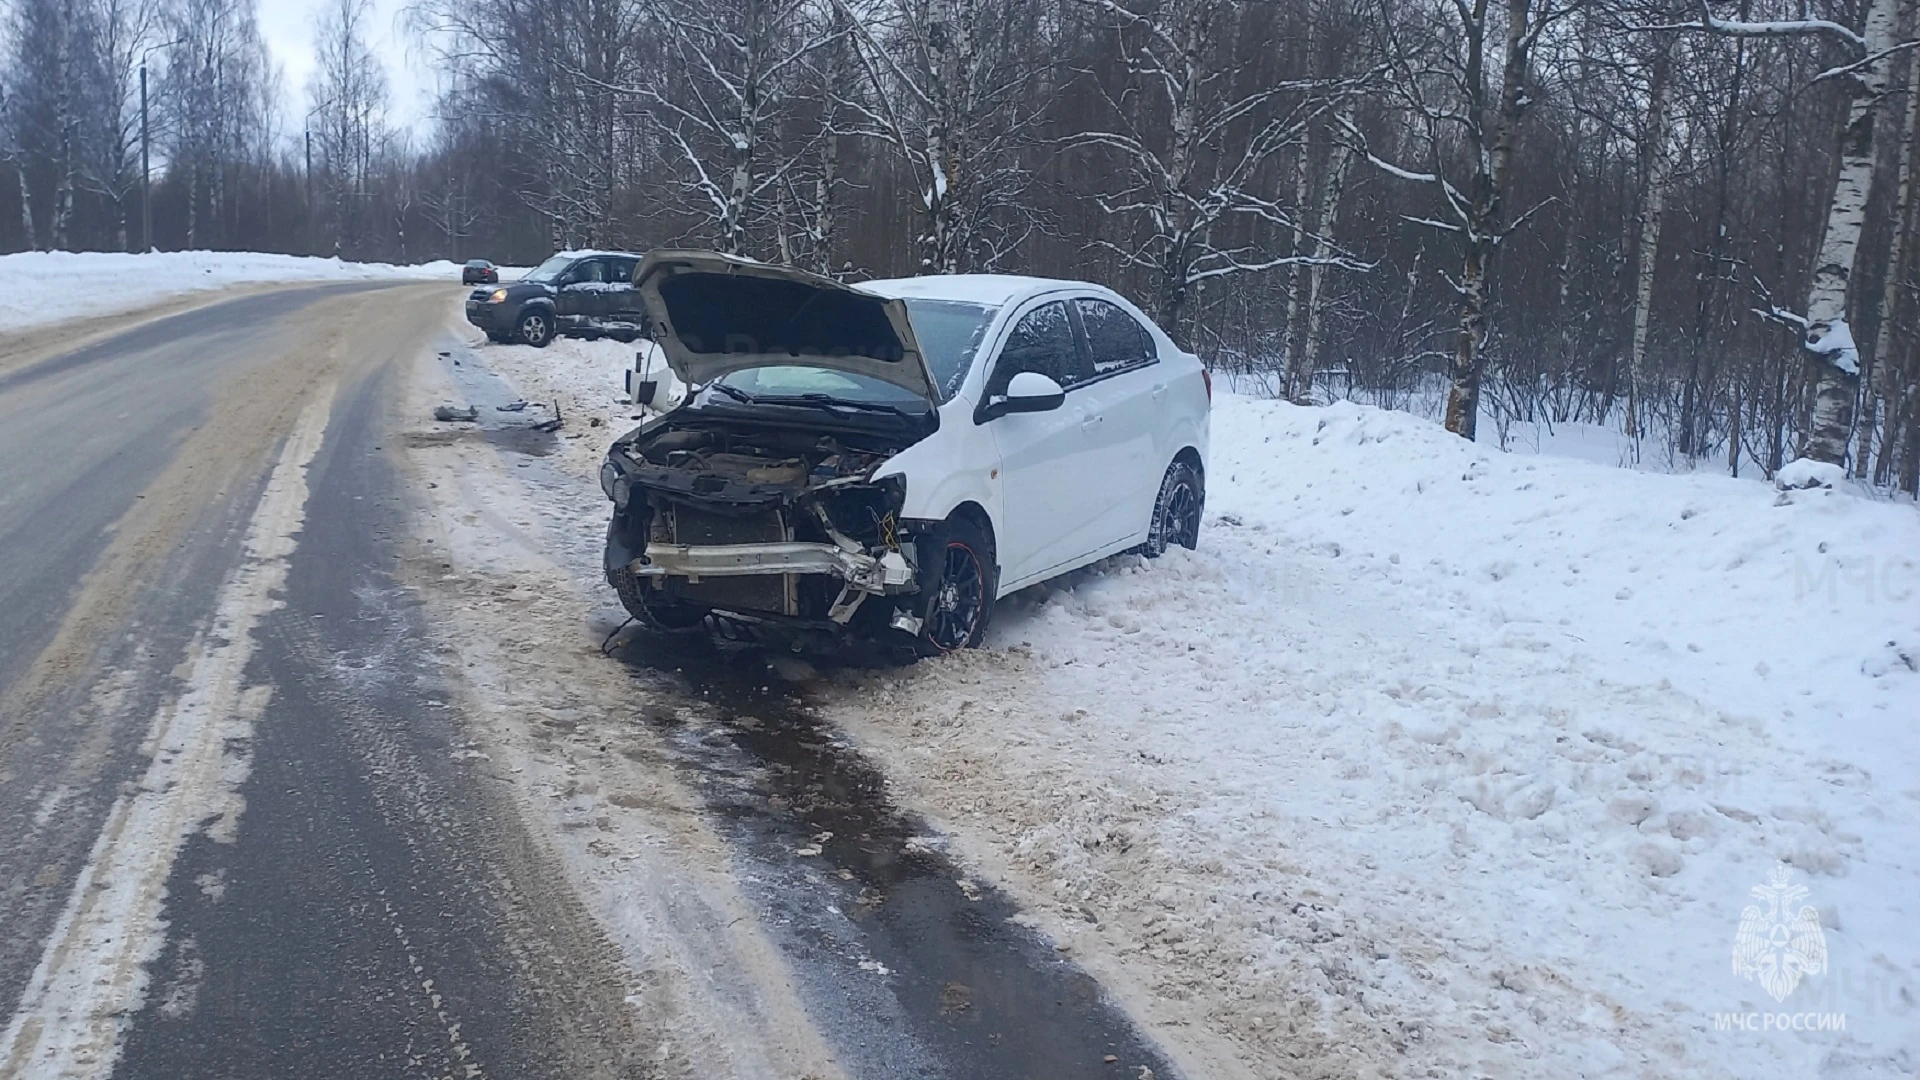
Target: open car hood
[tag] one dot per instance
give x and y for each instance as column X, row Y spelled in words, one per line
column 714, row 314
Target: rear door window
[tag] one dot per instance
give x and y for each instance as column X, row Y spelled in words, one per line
column 1115, row 340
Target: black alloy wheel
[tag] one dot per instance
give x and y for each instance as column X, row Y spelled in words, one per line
column 1176, row 513
column 960, row 601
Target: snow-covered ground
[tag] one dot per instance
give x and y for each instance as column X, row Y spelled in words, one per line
column 51, row 286
column 1440, row 760
column 588, row 380
column 1435, row 759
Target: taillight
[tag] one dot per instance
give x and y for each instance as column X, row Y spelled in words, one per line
column 1207, row 377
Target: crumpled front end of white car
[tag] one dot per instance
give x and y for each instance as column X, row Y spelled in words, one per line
column 775, row 525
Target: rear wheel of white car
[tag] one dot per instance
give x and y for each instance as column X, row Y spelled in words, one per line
column 960, row 588
column 535, row 327
column 1176, row 512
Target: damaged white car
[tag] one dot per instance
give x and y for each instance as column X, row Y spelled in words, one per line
column 888, row 460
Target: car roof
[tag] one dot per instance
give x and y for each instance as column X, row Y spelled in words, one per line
column 993, row 289
column 588, row 253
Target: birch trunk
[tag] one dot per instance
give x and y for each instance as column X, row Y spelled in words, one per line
column 1177, row 222
column 1482, row 234
column 1317, row 276
column 823, row 223
column 1880, row 361
column 1829, row 341
column 937, row 242
column 26, row 210
column 1647, row 252
column 1910, row 464
column 64, row 124
column 1296, row 376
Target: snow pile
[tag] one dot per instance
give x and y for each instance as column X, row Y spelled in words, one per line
column 1436, row 760
column 50, row 286
column 1808, row 473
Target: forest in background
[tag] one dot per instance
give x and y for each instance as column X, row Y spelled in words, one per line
column 1635, row 213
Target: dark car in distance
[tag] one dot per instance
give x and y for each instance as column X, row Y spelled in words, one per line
column 479, row 272
column 575, row 293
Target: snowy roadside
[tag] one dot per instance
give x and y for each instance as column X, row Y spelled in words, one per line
column 508, row 572
column 1438, row 760
column 51, row 286
column 1433, row 760
column 586, row 379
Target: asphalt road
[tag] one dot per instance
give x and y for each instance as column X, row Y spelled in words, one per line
column 233, row 848
column 238, row 842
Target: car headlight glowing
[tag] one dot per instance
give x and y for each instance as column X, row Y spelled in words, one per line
column 499, row 297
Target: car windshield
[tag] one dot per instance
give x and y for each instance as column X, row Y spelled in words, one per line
column 809, row 383
column 549, row 270
column 949, row 333
column 477, row 264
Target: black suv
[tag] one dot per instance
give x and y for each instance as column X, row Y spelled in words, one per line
column 577, row 293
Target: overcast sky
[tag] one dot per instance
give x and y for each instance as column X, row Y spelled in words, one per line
column 287, row 26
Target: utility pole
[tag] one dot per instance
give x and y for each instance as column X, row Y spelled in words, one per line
column 146, row 161
column 146, row 168
column 307, row 125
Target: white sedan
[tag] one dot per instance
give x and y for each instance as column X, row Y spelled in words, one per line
column 889, row 459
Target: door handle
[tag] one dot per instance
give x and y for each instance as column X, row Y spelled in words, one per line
column 1159, row 391
column 1092, row 422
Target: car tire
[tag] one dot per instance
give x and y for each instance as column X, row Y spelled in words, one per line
column 1176, row 511
column 655, row 612
column 959, row 588
column 535, row 327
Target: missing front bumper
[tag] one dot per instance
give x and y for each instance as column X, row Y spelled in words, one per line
column 886, row 573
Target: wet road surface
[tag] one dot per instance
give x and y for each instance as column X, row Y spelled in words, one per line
column 238, row 844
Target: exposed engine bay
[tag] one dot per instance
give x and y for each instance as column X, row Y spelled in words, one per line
column 760, row 522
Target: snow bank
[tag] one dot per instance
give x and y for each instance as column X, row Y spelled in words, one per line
column 50, row 286
column 1436, row 760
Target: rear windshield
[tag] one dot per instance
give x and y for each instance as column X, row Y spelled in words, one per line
column 478, row 264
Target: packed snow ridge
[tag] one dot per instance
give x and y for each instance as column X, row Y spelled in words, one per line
column 42, row 287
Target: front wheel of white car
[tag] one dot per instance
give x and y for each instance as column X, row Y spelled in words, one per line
column 960, row 587
column 1176, row 512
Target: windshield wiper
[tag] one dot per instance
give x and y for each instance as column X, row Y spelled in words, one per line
column 735, row 393
column 828, row 401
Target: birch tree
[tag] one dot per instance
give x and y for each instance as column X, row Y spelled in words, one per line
column 120, row 31
column 1657, row 164
column 349, row 92
column 1881, row 361
column 1444, row 81
column 1195, row 145
column 741, row 67
column 951, row 90
column 218, row 90
column 1828, row 337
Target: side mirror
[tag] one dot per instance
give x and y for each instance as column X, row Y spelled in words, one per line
column 1027, row 392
